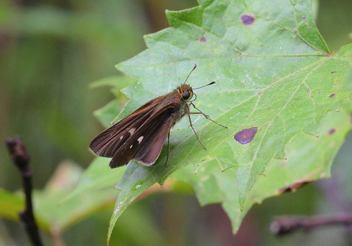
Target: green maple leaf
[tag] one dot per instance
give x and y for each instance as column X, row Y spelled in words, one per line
column 275, row 75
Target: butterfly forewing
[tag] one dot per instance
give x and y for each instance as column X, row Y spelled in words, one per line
column 146, row 143
column 109, row 141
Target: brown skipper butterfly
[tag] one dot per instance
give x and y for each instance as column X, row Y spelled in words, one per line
column 142, row 134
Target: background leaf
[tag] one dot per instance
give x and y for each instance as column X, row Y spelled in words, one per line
column 56, row 216
column 10, row 204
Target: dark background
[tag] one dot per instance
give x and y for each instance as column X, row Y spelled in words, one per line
column 50, row 51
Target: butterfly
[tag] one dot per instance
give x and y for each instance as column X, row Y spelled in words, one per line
column 141, row 135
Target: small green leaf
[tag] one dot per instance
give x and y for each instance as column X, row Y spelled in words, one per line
column 108, row 112
column 113, row 108
column 98, row 176
column 113, row 81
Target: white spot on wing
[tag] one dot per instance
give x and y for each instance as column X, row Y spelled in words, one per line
column 131, row 146
column 121, row 137
column 140, row 139
column 131, row 131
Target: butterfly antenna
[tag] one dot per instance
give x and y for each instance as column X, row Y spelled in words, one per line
column 211, row 83
column 195, row 66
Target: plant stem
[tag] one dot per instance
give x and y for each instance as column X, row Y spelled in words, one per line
column 20, row 158
column 288, row 224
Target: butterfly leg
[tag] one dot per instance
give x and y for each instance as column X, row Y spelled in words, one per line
column 190, row 122
column 206, row 116
column 168, row 149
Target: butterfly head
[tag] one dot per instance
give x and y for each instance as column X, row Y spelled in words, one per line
column 185, row 92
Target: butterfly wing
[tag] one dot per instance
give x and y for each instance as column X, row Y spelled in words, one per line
column 109, row 141
column 147, row 142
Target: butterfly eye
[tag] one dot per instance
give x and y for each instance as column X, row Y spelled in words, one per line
column 186, row 95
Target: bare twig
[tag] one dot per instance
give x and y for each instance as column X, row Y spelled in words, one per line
column 20, row 158
column 333, row 194
column 288, row 224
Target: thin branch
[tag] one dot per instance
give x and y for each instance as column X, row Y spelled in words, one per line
column 333, row 194
column 20, row 158
column 288, row 224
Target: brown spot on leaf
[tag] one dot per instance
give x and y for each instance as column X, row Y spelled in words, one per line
column 246, row 136
column 332, row 95
column 247, row 19
column 292, row 188
column 203, row 39
column 331, row 131
column 333, row 71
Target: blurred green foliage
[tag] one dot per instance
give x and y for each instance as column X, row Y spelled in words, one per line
column 49, row 54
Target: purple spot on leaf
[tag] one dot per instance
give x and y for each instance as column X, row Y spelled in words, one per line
column 332, row 95
column 331, row 131
column 268, row 108
column 303, row 17
column 203, row 39
column 247, row 19
column 246, row 136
